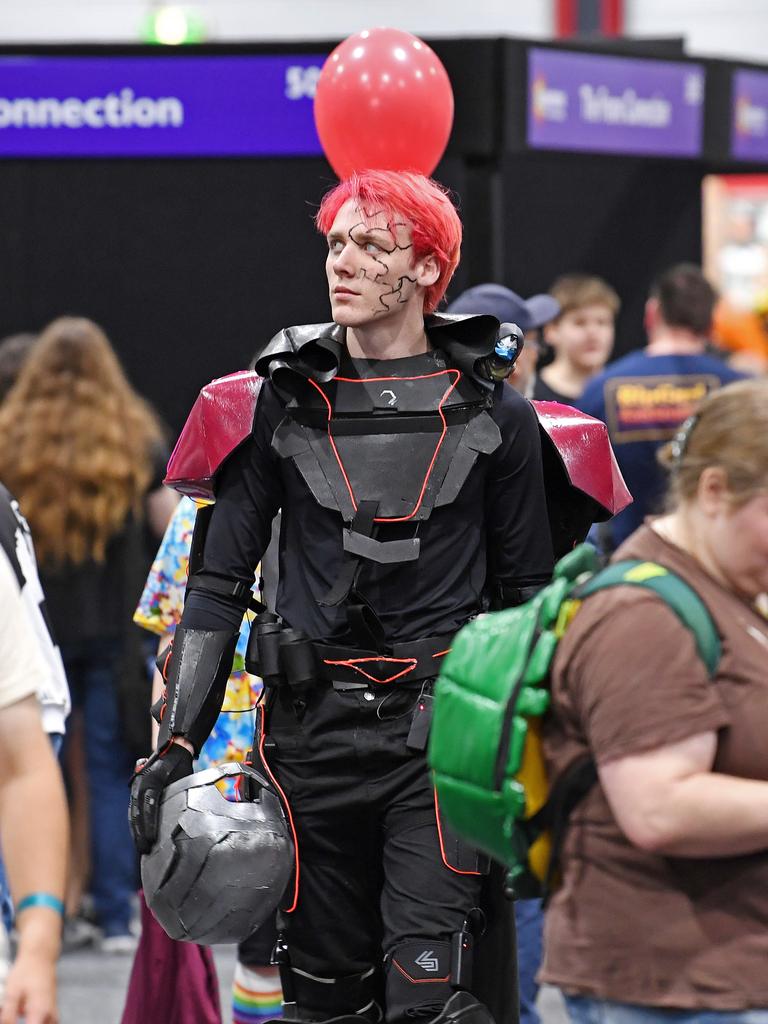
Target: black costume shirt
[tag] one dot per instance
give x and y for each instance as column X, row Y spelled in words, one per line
column 495, row 531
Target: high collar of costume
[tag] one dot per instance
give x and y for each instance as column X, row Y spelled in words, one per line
column 315, row 351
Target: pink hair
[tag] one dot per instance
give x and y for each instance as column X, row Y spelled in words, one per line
column 422, row 202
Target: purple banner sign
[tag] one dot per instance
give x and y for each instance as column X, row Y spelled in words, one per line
column 749, row 115
column 158, row 106
column 614, row 104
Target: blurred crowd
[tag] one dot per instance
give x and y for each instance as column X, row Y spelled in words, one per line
column 93, row 570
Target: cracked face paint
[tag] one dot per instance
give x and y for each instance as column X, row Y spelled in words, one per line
column 371, row 272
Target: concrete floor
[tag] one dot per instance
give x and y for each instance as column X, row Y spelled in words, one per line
column 92, row 988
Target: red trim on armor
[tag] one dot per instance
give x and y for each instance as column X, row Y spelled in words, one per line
column 355, row 380
column 354, row 662
column 286, row 910
column 450, row 867
column 442, row 654
column 164, row 673
column 419, row 981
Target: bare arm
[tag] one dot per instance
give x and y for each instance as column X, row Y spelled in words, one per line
column 669, row 801
column 33, row 818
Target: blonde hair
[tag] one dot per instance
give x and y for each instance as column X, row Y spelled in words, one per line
column 75, row 443
column 729, row 430
column 574, row 291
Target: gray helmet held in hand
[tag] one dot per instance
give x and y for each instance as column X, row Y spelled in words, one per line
column 218, row 868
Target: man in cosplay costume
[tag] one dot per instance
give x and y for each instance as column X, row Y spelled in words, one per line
column 412, row 488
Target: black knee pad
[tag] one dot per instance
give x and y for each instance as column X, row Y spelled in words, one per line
column 310, row 996
column 418, row 979
column 355, row 1018
column 327, row 999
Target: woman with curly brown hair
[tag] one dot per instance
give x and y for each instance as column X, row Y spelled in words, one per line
column 84, row 454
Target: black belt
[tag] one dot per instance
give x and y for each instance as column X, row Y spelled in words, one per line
column 287, row 657
column 400, row 663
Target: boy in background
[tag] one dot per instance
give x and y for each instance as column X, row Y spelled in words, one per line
column 581, row 337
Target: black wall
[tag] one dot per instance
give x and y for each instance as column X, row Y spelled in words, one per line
column 188, row 265
column 624, row 219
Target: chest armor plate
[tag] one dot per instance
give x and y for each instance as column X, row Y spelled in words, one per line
column 400, row 446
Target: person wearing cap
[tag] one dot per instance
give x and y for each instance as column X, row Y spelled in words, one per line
column 507, row 306
column 580, row 337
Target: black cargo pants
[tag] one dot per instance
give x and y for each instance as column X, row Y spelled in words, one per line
column 377, row 905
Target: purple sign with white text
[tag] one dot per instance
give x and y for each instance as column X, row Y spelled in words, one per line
column 158, row 106
column 749, row 115
column 592, row 103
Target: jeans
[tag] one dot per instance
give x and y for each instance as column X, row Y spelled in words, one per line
column 90, row 670
column 587, row 1010
column 529, row 921
column 6, row 903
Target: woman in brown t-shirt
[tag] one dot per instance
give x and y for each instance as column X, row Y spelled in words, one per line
column 663, row 910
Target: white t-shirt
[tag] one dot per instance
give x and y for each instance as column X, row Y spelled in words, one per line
column 16, row 544
column 23, row 671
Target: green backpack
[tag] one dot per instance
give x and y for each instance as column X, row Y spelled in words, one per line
column 485, row 742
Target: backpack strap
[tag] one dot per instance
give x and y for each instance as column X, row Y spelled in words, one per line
column 674, row 592
column 569, row 790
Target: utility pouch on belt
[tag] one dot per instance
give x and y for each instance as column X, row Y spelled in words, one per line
column 262, row 656
column 298, row 660
column 281, row 656
column 286, row 657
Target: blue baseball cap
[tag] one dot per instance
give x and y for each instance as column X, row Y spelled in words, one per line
column 507, row 306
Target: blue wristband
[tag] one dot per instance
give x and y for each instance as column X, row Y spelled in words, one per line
column 41, row 899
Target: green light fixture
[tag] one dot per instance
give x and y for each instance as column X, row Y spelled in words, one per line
column 171, row 25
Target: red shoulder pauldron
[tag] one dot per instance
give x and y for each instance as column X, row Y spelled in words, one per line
column 220, row 420
column 586, row 454
column 583, row 480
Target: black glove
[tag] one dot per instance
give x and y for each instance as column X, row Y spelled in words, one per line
column 151, row 778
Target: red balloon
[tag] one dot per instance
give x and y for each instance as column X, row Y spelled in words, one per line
column 383, row 101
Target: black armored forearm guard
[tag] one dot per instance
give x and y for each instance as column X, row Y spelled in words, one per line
column 196, row 680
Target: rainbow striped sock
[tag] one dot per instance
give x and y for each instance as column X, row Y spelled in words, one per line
column 256, row 994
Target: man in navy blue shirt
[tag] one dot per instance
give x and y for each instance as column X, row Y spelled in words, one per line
column 645, row 396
